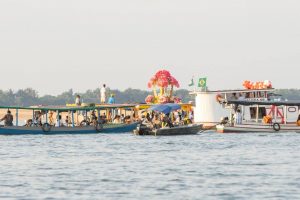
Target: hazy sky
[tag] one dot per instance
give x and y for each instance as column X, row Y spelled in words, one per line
column 56, row 45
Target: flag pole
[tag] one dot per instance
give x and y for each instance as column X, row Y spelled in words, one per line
column 194, row 84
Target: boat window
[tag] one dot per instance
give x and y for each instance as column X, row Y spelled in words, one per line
column 261, row 112
column 292, row 109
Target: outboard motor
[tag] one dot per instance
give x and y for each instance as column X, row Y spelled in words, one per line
column 142, row 129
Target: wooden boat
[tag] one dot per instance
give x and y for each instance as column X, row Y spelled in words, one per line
column 177, row 130
column 107, row 128
column 46, row 127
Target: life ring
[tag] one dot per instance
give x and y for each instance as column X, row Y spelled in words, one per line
column 276, row 127
column 46, row 127
column 219, row 98
column 99, row 127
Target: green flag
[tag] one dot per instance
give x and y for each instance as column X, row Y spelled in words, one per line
column 202, row 82
column 191, row 82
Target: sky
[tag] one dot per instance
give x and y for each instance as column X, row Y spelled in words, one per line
column 56, row 45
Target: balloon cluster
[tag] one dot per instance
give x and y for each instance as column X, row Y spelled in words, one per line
column 163, row 78
column 165, row 82
column 257, row 85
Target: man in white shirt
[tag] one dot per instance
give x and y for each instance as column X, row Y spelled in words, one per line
column 103, row 94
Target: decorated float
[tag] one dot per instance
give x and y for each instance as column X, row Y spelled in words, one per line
column 162, row 84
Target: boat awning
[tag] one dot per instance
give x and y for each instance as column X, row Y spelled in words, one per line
column 275, row 103
column 71, row 108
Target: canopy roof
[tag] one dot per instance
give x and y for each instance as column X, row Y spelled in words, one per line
column 232, row 91
column 71, row 108
column 165, row 108
column 253, row 102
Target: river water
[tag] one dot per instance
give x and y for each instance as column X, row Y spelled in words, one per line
column 124, row 166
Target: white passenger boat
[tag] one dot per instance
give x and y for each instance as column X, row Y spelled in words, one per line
column 255, row 105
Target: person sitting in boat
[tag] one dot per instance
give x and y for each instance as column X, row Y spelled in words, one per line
column 29, row 123
column 93, row 116
column 234, row 96
column 238, row 117
column 167, row 121
column 51, row 119
column 67, row 121
column 191, row 116
column 122, row 118
column 127, row 119
column 38, row 118
column 8, row 119
column 224, row 120
column 156, row 122
column 241, row 97
column 59, row 122
column 117, row 119
column 103, row 119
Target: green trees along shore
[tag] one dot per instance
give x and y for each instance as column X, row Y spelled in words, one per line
column 29, row 96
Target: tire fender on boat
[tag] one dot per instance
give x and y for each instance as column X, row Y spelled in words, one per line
column 99, row 127
column 276, row 127
column 46, row 127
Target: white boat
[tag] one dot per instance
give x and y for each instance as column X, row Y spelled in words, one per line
column 255, row 104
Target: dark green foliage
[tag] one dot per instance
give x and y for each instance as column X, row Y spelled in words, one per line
column 29, row 96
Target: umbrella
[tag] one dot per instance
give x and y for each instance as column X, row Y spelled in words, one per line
column 165, row 108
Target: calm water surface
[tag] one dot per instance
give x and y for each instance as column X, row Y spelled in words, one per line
column 124, row 166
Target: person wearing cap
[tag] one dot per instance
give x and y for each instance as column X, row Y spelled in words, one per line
column 8, row 119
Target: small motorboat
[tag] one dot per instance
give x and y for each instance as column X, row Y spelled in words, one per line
column 190, row 129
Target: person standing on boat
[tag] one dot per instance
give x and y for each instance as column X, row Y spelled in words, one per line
column 78, row 100
column 111, row 99
column 8, row 119
column 238, row 118
column 103, row 94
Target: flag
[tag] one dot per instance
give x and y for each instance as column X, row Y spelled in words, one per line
column 202, row 82
column 191, row 82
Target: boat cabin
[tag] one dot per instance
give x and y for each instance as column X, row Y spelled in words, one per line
column 212, row 106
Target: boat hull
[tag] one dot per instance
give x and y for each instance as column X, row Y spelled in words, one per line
column 181, row 130
column 110, row 129
column 254, row 128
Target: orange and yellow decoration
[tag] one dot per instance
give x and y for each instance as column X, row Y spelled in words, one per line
column 257, row 85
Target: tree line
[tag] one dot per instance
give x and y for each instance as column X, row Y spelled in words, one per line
column 29, row 96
